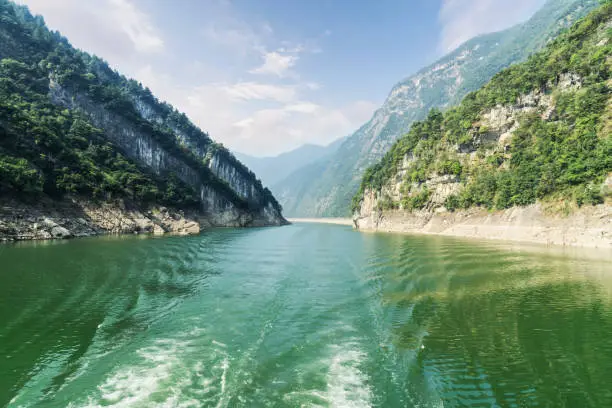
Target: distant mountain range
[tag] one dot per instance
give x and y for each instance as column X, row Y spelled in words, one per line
column 272, row 170
column 326, row 187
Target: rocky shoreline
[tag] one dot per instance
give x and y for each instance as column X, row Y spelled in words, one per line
column 588, row 227
column 72, row 218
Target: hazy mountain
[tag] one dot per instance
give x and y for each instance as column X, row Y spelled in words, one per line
column 273, row 169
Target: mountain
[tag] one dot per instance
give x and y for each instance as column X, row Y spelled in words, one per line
column 75, row 131
column 272, row 170
column 540, row 131
column 296, row 190
column 330, row 189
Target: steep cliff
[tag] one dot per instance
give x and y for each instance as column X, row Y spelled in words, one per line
column 75, row 131
column 328, row 189
column 537, row 134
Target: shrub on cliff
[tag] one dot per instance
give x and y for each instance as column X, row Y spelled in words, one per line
column 562, row 156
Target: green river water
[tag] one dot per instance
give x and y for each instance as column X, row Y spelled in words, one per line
column 302, row 316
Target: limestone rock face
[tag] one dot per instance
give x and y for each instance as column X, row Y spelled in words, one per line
column 493, row 132
column 217, row 206
column 589, row 227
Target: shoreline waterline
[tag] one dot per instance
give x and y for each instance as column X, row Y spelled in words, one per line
column 337, row 221
column 589, row 227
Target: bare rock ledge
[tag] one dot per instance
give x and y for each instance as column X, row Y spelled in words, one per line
column 589, row 227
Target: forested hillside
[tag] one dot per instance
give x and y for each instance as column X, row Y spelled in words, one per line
column 328, row 189
column 540, row 130
column 72, row 126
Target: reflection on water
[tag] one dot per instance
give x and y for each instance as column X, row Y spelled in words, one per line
column 306, row 315
column 520, row 328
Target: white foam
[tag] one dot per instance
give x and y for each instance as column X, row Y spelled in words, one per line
column 195, row 332
column 218, row 343
column 223, row 399
column 346, row 384
column 135, row 385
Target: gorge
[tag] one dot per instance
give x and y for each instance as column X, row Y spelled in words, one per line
column 474, row 271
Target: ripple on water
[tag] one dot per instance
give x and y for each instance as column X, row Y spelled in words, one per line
column 305, row 316
column 344, row 384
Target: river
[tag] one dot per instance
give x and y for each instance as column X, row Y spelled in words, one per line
column 302, row 316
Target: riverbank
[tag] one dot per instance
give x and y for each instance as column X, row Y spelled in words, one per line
column 338, row 221
column 48, row 219
column 71, row 218
column 588, row 227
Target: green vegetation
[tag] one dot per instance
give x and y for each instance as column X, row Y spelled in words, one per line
column 46, row 149
column 417, row 201
column 328, row 190
column 563, row 156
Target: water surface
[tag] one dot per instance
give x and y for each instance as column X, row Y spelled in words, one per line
column 302, row 316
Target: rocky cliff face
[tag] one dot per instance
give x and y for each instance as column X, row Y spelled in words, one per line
column 329, row 189
column 81, row 137
column 492, row 135
column 589, row 227
column 222, row 165
column 217, row 205
column 382, row 210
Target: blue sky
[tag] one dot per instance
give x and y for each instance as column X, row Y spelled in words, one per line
column 265, row 76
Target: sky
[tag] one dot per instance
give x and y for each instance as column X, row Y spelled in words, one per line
column 266, row 76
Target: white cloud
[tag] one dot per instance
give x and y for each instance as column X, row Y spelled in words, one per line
column 277, row 64
column 136, row 25
column 113, row 29
column 313, row 86
column 259, row 118
column 229, row 33
column 276, row 112
column 246, row 91
column 280, row 62
column 303, row 107
column 271, row 131
column 464, row 19
column 234, row 35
